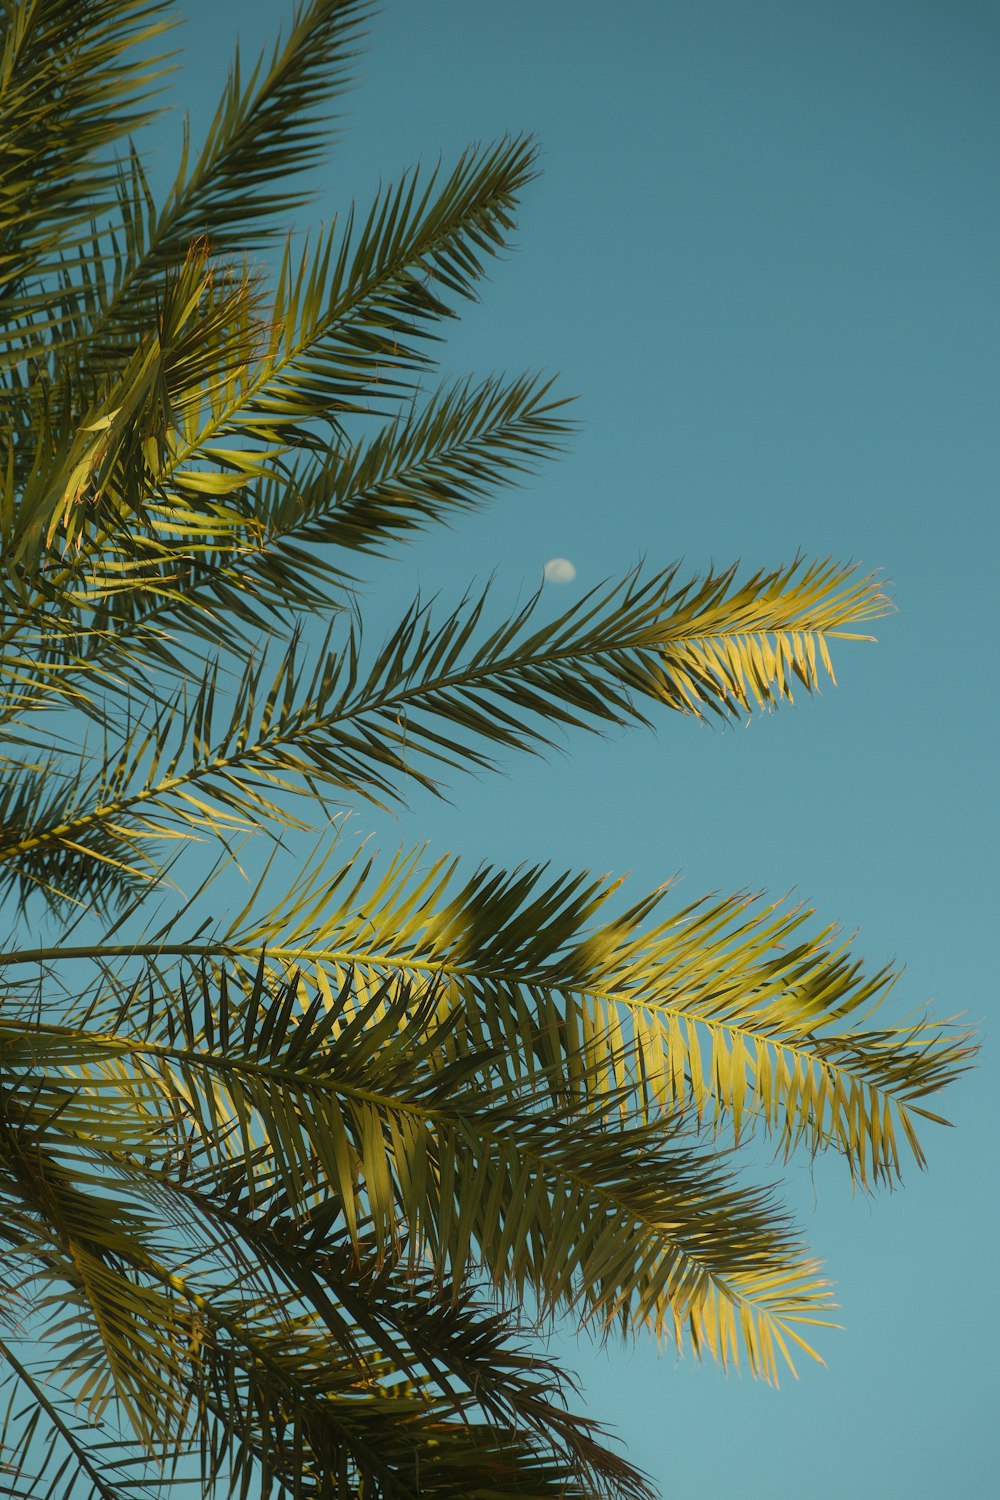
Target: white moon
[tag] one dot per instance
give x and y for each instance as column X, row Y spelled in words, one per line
column 559, row 570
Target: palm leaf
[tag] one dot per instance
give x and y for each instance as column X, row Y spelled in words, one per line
column 707, row 648
column 235, row 192
column 185, row 432
column 465, row 442
column 732, row 1007
column 593, row 1212
column 59, row 170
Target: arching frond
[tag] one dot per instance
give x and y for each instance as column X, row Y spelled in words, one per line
column 731, row 1008
column 439, row 460
column 324, row 1396
column 434, row 694
column 585, row 1209
column 126, row 508
column 73, row 83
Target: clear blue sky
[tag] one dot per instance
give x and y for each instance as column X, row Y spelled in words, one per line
column 763, row 253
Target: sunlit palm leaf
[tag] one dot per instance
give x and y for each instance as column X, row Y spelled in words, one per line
column 591, row 1211
column 252, row 1352
column 734, row 1008
column 433, row 694
column 58, row 171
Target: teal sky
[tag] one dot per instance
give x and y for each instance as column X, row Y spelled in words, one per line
column 762, row 254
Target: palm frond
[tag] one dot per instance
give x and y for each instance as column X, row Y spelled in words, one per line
column 117, row 1337
column 321, row 1401
column 50, row 1454
column 235, row 192
column 208, row 413
column 371, row 1302
column 274, row 126
column 466, row 442
column 260, row 551
column 706, row 648
column 58, row 165
column 614, row 1218
column 733, row 1008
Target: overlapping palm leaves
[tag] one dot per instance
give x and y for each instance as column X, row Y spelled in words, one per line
column 283, row 1194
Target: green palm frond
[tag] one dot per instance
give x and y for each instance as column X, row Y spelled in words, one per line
column 707, row 648
column 311, row 1372
column 462, row 445
column 268, row 553
column 212, row 558
column 406, row 1316
column 148, row 498
column 315, row 1425
column 52, row 1448
column 96, row 473
column 58, row 165
column 443, row 1341
column 345, row 319
column 266, row 129
column 732, row 1007
column 118, row 1338
column 615, row 1218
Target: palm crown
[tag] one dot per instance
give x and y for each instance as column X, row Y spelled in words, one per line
column 282, row 1193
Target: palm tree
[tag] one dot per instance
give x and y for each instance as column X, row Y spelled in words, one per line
column 285, row 1195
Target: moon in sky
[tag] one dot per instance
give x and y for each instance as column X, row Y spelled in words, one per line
column 559, row 570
